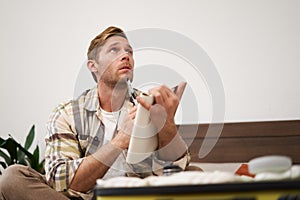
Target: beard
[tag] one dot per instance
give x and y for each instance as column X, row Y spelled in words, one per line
column 113, row 81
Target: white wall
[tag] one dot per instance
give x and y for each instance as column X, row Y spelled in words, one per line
column 254, row 45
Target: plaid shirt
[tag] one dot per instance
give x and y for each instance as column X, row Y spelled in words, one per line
column 74, row 131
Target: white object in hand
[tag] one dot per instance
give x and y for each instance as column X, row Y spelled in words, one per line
column 269, row 164
column 143, row 141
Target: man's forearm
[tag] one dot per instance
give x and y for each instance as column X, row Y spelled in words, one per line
column 172, row 148
column 94, row 167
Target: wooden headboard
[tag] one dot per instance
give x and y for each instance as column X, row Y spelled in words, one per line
column 240, row 142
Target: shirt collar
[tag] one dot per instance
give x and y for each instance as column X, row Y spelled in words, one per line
column 92, row 100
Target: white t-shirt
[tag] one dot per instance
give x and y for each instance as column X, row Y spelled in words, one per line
column 110, row 121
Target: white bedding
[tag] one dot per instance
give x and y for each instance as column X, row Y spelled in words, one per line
column 212, row 173
column 211, row 167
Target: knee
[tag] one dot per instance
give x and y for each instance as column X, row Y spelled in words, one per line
column 14, row 170
column 11, row 176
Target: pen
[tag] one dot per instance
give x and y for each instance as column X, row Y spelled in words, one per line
column 131, row 93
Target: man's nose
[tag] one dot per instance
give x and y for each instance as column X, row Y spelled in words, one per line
column 125, row 56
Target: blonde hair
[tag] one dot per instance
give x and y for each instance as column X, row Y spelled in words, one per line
column 100, row 39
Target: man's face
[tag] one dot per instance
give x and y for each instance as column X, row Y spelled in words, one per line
column 115, row 61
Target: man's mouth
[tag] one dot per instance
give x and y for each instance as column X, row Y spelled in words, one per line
column 125, row 67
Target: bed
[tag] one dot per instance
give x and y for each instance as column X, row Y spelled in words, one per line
column 237, row 144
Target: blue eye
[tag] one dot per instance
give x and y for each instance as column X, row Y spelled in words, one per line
column 129, row 51
column 113, row 50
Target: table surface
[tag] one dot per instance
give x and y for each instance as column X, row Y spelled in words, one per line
column 205, row 188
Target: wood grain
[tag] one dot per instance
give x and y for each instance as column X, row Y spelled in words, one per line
column 240, row 142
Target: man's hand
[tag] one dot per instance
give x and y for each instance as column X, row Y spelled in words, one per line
column 162, row 113
column 122, row 138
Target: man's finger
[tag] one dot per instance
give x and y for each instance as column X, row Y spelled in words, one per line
column 179, row 89
column 143, row 102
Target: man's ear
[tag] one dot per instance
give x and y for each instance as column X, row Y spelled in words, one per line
column 92, row 66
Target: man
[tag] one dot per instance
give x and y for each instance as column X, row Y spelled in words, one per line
column 87, row 138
